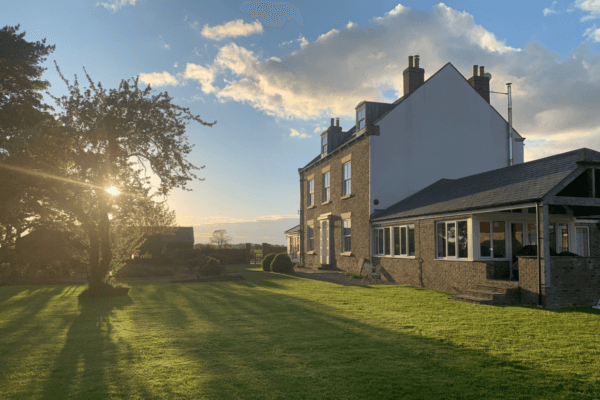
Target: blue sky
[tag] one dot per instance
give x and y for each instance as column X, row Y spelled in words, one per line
column 273, row 85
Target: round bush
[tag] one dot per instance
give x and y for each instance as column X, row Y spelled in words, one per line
column 211, row 268
column 282, row 263
column 266, row 262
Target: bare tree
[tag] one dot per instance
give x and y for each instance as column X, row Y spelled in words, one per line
column 220, row 238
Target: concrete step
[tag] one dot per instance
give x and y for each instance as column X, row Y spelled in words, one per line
column 501, row 283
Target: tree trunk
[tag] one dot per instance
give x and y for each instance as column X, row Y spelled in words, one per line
column 104, row 231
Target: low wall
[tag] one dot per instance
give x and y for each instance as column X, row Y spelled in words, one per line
column 574, row 282
column 268, row 249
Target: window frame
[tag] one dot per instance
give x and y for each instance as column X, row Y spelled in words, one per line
column 311, row 193
column 361, row 118
column 507, row 238
column 347, row 179
column 346, row 236
column 446, row 224
column 326, row 189
column 310, row 238
column 587, row 244
column 324, row 144
column 379, row 232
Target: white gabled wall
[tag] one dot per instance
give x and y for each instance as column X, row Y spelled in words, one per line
column 445, row 129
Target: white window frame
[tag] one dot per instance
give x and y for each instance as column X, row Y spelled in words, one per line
column 361, row 117
column 345, row 236
column 456, row 251
column 310, row 238
column 324, row 144
column 347, row 179
column 326, row 187
column 381, row 252
column 311, row 193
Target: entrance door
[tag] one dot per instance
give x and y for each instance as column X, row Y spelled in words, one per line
column 325, row 242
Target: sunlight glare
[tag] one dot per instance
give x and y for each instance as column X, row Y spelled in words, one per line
column 113, row 190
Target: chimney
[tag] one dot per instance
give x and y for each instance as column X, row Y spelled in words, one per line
column 413, row 75
column 337, row 122
column 331, row 121
column 480, row 82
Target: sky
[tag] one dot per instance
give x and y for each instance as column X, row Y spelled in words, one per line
column 272, row 74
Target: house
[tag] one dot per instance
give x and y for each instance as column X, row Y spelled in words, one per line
column 293, row 243
column 443, row 127
column 463, row 235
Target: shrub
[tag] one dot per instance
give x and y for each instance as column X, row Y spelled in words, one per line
column 266, row 262
column 282, row 263
column 211, row 268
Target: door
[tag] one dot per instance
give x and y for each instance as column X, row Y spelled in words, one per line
column 325, row 242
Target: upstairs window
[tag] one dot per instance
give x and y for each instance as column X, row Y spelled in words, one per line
column 311, row 193
column 326, row 187
column 346, row 175
column 360, row 119
column 324, row 144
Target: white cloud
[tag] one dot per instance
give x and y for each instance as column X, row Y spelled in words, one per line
column 159, row 79
column 319, row 130
column 116, row 5
column 592, row 7
column 550, row 10
column 592, row 33
column 231, row 29
column 166, row 46
column 295, row 133
column 175, row 65
column 327, row 78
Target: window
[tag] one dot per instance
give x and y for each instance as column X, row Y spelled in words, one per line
column 324, row 144
column 346, row 236
column 394, row 241
column 583, row 242
column 563, row 238
column 310, row 234
column 311, row 193
column 452, row 239
column 326, row 186
column 492, row 239
column 360, row 119
column 346, row 175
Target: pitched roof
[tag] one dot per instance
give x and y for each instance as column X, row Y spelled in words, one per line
column 295, row 229
column 519, row 183
column 350, row 137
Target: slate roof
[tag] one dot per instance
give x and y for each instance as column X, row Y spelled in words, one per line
column 351, row 137
column 295, row 229
column 519, row 183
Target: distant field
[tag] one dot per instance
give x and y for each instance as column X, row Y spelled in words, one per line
column 279, row 336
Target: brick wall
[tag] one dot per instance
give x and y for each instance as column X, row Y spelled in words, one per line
column 528, row 280
column 357, row 205
column 426, row 271
column 594, row 238
column 271, row 249
column 575, row 282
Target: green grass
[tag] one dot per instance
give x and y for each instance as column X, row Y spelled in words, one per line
column 279, row 336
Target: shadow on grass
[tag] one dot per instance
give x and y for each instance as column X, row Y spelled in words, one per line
column 89, row 358
column 276, row 345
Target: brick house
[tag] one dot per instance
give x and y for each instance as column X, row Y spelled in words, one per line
column 293, row 243
column 462, row 235
column 443, row 127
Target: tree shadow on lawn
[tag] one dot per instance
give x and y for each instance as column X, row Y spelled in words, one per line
column 88, row 364
column 274, row 345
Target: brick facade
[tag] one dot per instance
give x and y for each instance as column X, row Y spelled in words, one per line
column 357, row 204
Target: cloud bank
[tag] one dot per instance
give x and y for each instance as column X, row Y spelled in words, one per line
column 235, row 28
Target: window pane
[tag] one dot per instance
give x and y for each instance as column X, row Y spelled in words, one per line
column 387, row 241
column 563, row 231
column 499, row 240
column 396, row 241
column 411, row 241
column 380, row 241
column 516, row 238
column 552, row 237
column 403, row 241
column 582, row 241
column 441, row 239
column 532, row 234
column 451, row 237
column 484, row 239
column 463, row 240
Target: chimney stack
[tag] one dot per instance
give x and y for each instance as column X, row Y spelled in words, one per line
column 413, row 75
column 331, row 121
column 337, row 122
column 480, row 82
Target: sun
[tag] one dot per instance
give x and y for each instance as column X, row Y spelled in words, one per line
column 113, row 190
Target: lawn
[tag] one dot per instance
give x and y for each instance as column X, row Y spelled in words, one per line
column 279, row 336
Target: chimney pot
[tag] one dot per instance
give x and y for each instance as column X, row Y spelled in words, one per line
column 337, row 122
column 331, row 121
column 474, row 70
column 410, row 61
column 481, row 71
column 416, row 61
